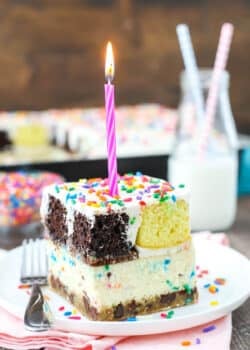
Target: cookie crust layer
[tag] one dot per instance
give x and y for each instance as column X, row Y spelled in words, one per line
column 124, row 310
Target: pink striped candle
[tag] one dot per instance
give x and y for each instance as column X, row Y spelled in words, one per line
column 219, row 66
column 110, row 122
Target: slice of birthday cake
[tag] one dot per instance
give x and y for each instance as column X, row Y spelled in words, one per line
column 117, row 257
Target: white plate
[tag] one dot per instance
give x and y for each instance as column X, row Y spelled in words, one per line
column 219, row 261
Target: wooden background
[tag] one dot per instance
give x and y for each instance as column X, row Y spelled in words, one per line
column 52, row 51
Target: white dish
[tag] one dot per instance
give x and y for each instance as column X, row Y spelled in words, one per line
column 219, row 261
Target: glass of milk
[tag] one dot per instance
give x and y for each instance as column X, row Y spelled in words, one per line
column 212, row 179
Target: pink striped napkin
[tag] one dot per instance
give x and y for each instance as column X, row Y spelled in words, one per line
column 215, row 335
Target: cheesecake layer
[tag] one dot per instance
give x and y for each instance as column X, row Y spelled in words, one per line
column 150, row 282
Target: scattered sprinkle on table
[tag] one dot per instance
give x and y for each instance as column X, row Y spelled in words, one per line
column 220, row 281
column 186, row 343
column 61, row 308
column 74, row 317
column 213, row 289
column 209, row 329
column 23, row 286
column 67, row 313
column 170, row 314
column 214, row 303
column 132, row 318
column 197, row 341
column 167, row 315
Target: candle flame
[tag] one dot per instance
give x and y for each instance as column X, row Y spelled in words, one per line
column 109, row 65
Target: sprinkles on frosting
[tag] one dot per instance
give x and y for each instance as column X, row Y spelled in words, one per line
column 132, row 188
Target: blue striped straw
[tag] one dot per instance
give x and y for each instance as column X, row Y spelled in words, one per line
column 192, row 71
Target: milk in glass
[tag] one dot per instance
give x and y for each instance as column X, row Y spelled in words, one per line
column 212, row 177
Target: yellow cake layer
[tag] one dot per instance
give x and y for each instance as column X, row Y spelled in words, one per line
column 164, row 225
column 31, row 135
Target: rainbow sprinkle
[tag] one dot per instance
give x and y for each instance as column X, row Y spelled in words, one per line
column 67, row 313
column 106, row 267
column 209, row 329
column 213, row 289
column 186, row 343
column 23, row 286
column 74, row 317
column 132, row 188
column 220, row 281
column 167, row 315
column 132, row 319
column 187, row 288
column 202, row 272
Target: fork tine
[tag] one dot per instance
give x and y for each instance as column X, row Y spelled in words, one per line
column 46, row 261
column 32, row 258
column 38, row 251
column 38, row 316
column 43, row 259
column 34, row 262
column 24, row 259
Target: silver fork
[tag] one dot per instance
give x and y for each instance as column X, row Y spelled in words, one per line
column 34, row 270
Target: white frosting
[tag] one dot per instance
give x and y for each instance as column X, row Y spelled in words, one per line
column 147, row 252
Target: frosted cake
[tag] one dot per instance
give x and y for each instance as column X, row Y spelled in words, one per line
column 116, row 257
column 67, row 134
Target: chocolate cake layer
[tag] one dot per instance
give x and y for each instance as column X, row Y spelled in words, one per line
column 104, row 242
column 55, row 221
column 128, row 309
column 106, row 238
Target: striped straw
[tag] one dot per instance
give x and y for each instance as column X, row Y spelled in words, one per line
column 221, row 58
column 190, row 64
